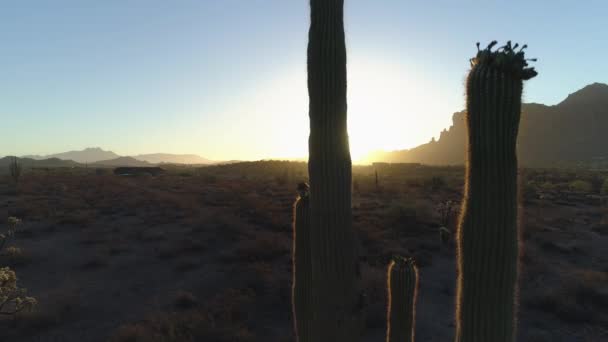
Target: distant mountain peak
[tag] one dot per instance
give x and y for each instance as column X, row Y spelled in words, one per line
column 595, row 92
column 98, row 154
column 566, row 134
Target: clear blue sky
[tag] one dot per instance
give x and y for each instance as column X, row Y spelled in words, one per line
column 226, row 78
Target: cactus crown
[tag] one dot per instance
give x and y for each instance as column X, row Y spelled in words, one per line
column 506, row 59
column 403, row 262
column 303, row 189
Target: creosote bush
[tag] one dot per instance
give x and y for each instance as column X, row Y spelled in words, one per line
column 13, row 299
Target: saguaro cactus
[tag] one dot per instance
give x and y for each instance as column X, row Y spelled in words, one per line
column 402, row 292
column 302, row 267
column 487, row 234
column 15, row 169
column 334, row 258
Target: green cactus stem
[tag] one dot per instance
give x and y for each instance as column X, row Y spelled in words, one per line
column 402, row 293
column 334, row 255
column 302, row 267
column 487, row 233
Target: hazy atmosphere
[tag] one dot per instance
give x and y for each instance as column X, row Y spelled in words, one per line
column 303, row 171
column 227, row 79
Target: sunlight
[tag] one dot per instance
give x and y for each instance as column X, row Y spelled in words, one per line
column 389, row 107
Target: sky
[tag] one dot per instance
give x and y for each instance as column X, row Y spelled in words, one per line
column 226, row 79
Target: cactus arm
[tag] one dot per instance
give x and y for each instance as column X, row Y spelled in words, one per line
column 302, row 270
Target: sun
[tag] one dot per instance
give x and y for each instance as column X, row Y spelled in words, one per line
column 390, row 107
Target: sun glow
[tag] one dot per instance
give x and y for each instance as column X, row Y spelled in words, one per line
column 389, row 107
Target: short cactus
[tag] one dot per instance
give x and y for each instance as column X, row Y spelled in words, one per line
column 302, row 267
column 402, row 293
column 487, row 233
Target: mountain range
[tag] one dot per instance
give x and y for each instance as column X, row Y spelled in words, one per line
column 572, row 132
column 99, row 156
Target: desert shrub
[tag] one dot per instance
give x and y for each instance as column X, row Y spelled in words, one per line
column 604, row 189
column 406, row 216
column 529, row 191
column 435, row 183
column 578, row 299
column 261, row 248
column 101, row 172
column 185, row 300
column 13, row 299
column 446, row 211
column 283, row 178
column 356, row 185
column 547, row 186
column 402, row 213
column 179, row 327
column 222, row 319
column 580, row 186
column 94, row 263
column 14, row 256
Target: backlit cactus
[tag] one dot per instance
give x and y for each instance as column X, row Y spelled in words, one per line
column 402, row 292
column 334, row 257
column 302, row 267
column 487, row 234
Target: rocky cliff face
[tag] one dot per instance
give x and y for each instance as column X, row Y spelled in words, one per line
column 574, row 131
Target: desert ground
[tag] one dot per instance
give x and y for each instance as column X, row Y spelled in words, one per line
column 204, row 253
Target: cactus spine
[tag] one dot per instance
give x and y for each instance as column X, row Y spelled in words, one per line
column 334, row 258
column 302, row 268
column 402, row 292
column 487, row 234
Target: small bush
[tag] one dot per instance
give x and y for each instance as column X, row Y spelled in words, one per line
column 185, row 300
column 604, row 189
column 580, row 186
column 13, row 299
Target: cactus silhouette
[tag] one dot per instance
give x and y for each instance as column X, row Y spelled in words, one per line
column 487, row 232
column 402, row 286
column 302, row 267
column 334, row 256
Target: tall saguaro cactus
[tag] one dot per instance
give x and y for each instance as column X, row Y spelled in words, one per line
column 402, row 292
column 302, row 267
column 487, row 234
column 334, row 258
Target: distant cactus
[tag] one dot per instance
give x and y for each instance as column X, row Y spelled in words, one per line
column 15, row 169
column 377, row 183
column 487, row 234
column 302, row 267
column 402, row 292
column 444, row 235
column 446, row 210
column 334, row 255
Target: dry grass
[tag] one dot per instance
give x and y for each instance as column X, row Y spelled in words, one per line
column 223, row 233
